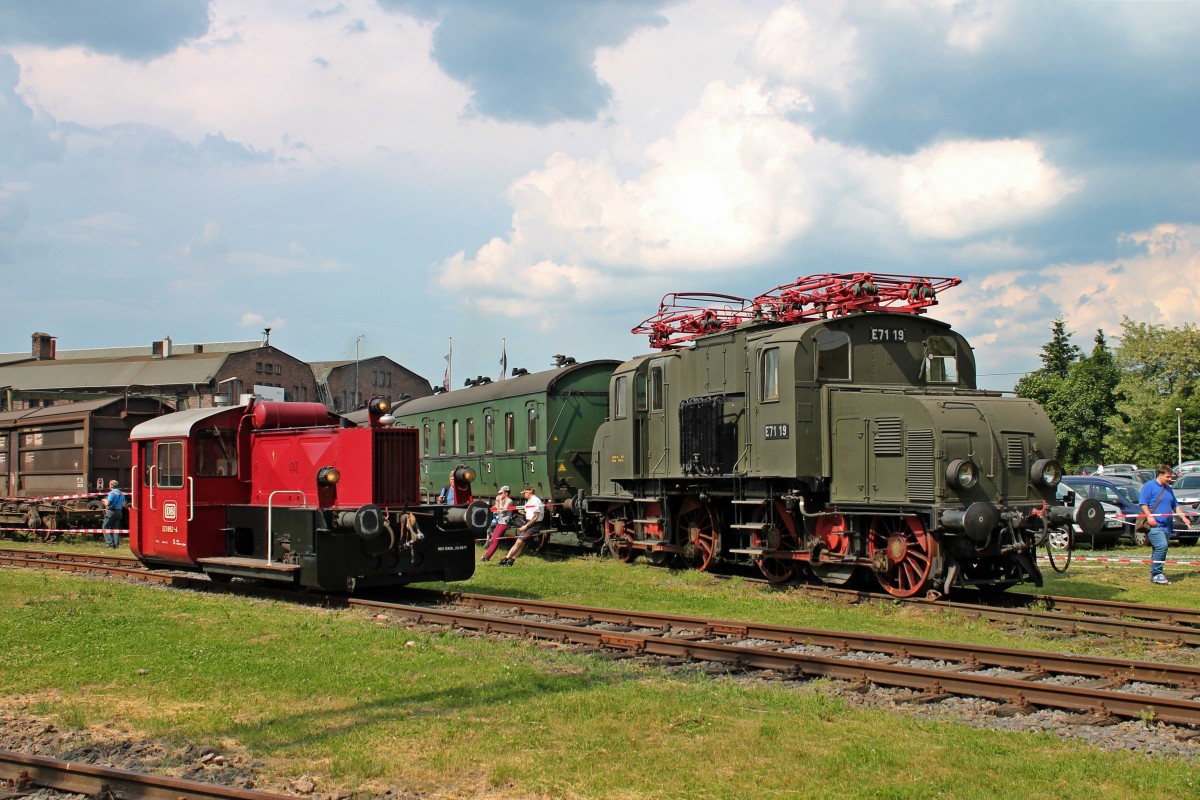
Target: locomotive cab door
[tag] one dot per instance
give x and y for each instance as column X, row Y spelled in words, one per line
column 171, row 525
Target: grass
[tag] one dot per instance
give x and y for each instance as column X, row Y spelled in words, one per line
column 362, row 702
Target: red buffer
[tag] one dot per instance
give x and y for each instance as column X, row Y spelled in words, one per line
column 684, row 317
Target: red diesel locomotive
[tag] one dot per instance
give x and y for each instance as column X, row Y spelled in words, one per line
column 283, row 492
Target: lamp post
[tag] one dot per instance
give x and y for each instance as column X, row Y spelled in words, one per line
column 1179, row 433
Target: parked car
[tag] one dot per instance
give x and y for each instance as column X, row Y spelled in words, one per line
column 1123, row 492
column 1110, row 533
column 1186, row 467
column 1126, row 470
column 1187, row 488
column 1145, row 475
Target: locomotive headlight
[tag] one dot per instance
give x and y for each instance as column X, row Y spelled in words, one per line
column 1046, row 472
column 465, row 474
column 380, row 405
column 328, row 476
column 962, row 473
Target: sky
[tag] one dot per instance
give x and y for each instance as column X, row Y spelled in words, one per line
column 380, row 177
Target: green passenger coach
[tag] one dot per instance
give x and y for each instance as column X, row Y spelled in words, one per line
column 533, row 430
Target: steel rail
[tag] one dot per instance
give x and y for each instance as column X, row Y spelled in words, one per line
column 1023, row 691
column 97, row 781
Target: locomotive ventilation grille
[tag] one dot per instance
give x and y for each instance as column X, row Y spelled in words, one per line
column 887, row 437
column 919, row 467
column 396, row 480
column 1016, row 453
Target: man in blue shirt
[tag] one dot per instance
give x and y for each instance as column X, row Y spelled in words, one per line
column 113, row 504
column 1158, row 502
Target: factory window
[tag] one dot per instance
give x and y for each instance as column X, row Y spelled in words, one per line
column 656, row 388
column 510, row 433
column 169, row 460
column 454, row 426
column 620, row 387
column 533, row 437
column 833, row 356
column 426, row 438
column 941, row 360
column 388, row 375
column 487, row 433
column 441, row 438
column 639, row 391
column 258, row 366
column 470, row 434
column 278, row 369
column 768, row 374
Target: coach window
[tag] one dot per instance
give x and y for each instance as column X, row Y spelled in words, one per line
column 620, row 387
column 941, row 360
column 833, row 356
column 510, row 432
column 639, row 391
column 456, row 448
column 533, row 429
column 441, row 438
column 487, row 433
column 470, row 434
column 768, row 374
column 426, row 429
column 169, row 460
column 656, row 389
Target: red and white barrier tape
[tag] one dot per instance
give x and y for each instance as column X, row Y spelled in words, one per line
column 1110, row 560
column 64, row 530
column 56, row 497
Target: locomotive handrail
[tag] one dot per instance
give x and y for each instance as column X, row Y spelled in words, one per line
column 191, row 498
column 153, row 474
column 270, row 513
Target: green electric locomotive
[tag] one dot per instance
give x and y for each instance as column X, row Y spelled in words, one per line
column 826, row 423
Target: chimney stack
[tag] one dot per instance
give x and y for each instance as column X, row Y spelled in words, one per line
column 43, row 347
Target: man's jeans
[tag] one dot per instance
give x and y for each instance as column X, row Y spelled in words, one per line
column 1158, row 549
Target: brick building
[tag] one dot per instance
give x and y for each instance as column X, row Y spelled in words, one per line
column 347, row 385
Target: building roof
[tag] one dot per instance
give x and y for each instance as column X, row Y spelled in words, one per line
column 112, row 373
column 140, row 350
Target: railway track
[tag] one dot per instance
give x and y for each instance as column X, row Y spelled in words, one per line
column 1103, row 689
column 22, row 775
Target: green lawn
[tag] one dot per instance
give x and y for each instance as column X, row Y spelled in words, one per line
column 362, row 702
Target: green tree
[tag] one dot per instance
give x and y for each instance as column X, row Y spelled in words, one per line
column 1059, row 354
column 1084, row 403
column 1160, row 371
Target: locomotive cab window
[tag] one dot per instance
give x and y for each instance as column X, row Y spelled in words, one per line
column 941, row 360
column 216, row 453
column 656, row 388
column 833, row 356
column 639, row 391
column 168, row 458
column 619, row 401
column 768, row 374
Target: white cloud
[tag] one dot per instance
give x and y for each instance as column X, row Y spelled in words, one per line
column 810, row 46
column 957, row 189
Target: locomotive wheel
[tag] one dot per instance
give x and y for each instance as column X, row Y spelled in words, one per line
column 780, row 536
column 832, row 536
column 902, row 553
column 617, row 537
column 700, row 537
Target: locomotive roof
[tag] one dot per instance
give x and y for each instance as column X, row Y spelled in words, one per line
column 533, row 383
column 179, row 423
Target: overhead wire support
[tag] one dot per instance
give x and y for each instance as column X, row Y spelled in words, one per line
column 683, row 317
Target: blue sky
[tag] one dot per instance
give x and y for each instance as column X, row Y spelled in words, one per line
column 543, row 171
